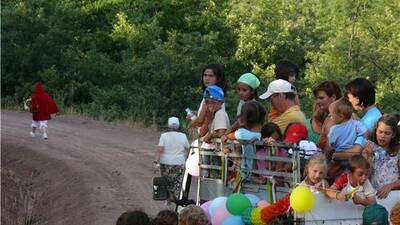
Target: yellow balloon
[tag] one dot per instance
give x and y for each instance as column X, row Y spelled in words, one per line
column 256, row 217
column 302, row 199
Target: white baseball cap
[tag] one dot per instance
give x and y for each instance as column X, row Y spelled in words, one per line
column 173, row 122
column 278, row 86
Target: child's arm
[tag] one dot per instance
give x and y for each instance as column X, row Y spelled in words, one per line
column 201, row 116
column 228, row 136
column 236, row 125
column 334, row 191
column 204, row 126
column 214, row 134
column 365, row 202
column 338, row 195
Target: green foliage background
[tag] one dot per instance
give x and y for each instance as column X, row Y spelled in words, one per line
column 141, row 60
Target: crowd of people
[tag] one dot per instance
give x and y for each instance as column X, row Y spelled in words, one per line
column 356, row 159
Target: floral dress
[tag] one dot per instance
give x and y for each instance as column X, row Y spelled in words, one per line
column 386, row 169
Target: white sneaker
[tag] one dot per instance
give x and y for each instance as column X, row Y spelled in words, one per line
column 45, row 136
column 32, row 134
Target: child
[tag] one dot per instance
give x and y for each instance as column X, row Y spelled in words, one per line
column 383, row 153
column 136, row 217
column 211, row 75
column 166, row 217
column 316, row 171
column 193, row 215
column 342, row 136
column 171, row 155
column 215, row 124
column 216, row 120
column 354, row 184
column 42, row 107
column 252, row 117
column 246, row 88
column 271, row 132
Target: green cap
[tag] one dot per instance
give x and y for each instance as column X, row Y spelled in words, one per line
column 249, row 79
column 375, row 214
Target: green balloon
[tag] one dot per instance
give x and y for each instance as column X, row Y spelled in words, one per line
column 237, row 203
column 246, row 216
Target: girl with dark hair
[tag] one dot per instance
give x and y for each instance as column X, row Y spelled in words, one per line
column 211, row 74
column 383, row 154
column 246, row 88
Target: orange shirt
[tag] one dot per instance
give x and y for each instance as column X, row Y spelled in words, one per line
column 274, row 113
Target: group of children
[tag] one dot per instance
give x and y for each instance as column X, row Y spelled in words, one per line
column 191, row 215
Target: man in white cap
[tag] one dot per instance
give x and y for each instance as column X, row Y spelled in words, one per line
column 282, row 96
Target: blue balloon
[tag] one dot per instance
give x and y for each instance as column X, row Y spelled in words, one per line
column 253, row 199
column 233, row 220
column 215, row 203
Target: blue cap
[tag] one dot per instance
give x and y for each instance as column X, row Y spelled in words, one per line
column 214, row 92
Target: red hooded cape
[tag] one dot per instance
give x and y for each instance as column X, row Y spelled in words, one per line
column 42, row 104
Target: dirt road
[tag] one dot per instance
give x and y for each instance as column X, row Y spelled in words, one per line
column 87, row 172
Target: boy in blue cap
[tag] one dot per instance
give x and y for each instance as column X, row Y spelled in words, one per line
column 216, row 122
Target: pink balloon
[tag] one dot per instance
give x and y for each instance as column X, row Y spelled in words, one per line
column 205, row 206
column 262, row 204
column 220, row 215
column 192, row 165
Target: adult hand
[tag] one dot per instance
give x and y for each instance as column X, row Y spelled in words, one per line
column 384, row 191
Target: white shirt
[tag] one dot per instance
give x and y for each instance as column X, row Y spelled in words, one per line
column 174, row 144
column 220, row 121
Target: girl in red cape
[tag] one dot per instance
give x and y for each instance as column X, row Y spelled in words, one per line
column 42, row 108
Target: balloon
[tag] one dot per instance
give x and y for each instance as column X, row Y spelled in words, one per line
column 262, row 204
column 253, row 199
column 215, row 204
column 302, row 199
column 233, row 220
column 256, row 217
column 192, row 165
column 237, row 203
column 205, row 207
column 220, row 215
column 246, row 215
